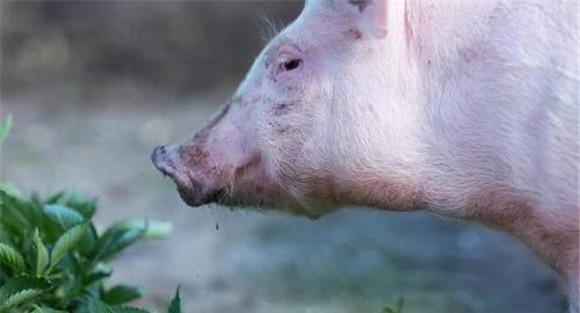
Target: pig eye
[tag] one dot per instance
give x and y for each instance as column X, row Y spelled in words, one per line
column 291, row 64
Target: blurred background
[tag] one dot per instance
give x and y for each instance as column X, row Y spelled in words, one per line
column 94, row 85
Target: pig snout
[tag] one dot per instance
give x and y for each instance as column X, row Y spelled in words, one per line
column 193, row 191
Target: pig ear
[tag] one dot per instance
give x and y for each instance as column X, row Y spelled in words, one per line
column 369, row 16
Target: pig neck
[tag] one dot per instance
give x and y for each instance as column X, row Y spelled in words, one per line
column 467, row 170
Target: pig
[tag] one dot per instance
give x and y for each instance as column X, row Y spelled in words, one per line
column 468, row 109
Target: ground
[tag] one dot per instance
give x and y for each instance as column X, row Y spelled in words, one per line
column 353, row 261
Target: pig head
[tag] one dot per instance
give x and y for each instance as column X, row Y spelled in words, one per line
column 302, row 132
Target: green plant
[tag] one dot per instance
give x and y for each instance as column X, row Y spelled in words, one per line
column 397, row 309
column 52, row 255
column 54, row 259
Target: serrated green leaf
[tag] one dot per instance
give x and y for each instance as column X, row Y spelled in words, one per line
column 65, row 243
column 398, row 309
column 88, row 242
column 65, row 217
column 127, row 309
column 38, row 309
column 86, row 207
column 125, row 233
column 99, row 271
column 46, row 310
column 19, row 298
column 16, row 214
column 96, row 306
column 153, row 229
column 115, row 240
column 5, row 127
column 20, row 283
column 11, row 190
column 121, row 294
column 175, row 305
column 42, row 257
column 55, row 198
column 11, row 257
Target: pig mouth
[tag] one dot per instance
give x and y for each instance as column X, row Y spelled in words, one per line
column 189, row 189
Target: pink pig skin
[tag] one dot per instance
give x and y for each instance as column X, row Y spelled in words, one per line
column 467, row 109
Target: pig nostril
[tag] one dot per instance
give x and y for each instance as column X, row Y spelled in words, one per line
column 160, row 149
column 158, row 152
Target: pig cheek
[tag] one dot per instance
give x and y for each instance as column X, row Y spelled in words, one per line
column 279, row 155
column 282, row 117
column 277, row 134
column 252, row 185
column 296, row 173
column 282, row 135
